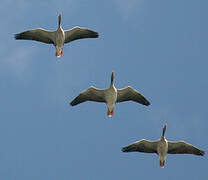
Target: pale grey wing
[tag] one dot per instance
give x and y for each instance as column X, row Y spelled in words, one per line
column 142, row 146
column 182, row 147
column 79, row 33
column 39, row 34
column 130, row 94
column 91, row 94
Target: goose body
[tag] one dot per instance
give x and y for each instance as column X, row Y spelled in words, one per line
column 58, row 38
column 163, row 147
column 110, row 96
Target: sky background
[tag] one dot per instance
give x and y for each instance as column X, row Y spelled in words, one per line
column 157, row 47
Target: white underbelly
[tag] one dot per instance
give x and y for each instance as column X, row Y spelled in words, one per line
column 111, row 97
column 162, row 149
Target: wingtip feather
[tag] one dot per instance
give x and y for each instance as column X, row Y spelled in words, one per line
column 16, row 36
column 123, row 149
column 74, row 102
column 96, row 34
column 202, row 153
column 71, row 103
column 147, row 103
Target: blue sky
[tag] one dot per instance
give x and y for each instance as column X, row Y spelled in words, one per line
column 157, row 47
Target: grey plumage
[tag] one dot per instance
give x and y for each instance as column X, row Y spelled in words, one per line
column 39, row 34
column 130, row 94
column 162, row 147
column 58, row 37
column 143, row 145
column 90, row 94
column 79, row 33
column 181, row 147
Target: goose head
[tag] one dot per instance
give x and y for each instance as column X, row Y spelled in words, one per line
column 59, row 20
column 163, row 132
column 112, row 78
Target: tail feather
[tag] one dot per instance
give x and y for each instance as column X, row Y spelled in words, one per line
column 110, row 113
column 162, row 164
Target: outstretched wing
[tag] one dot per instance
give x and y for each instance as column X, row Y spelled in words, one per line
column 182, row 147
column 130, row 94
column 91, row 94
column 142, row 146
column 39, row 34
column 79, row 33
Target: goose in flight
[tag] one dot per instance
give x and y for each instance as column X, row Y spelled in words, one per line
column 162, row 147
column 110, row 96
column 58, row 37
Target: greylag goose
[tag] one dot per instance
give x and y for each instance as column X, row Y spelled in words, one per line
column 58, row 37
column 162, row 147
column 110, row 96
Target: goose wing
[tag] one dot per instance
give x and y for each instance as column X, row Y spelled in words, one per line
column 90, row 94
column 182, row 147
column 79, row 33
column 39, row 34
column 130, row 94
column 142, row 146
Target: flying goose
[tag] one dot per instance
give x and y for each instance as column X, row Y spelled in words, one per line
column 58, row 37
column 110, row 96
column 162, row 147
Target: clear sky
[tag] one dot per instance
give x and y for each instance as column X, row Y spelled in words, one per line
column 157, row 47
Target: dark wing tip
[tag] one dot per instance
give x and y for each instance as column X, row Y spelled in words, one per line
column 72, row 103
column 147, row 103
column 127, row 149
column 124, row 149
column 96, row 34
column 202, row 153
column 17, row 36
column 92, row 34
column 75, row 101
